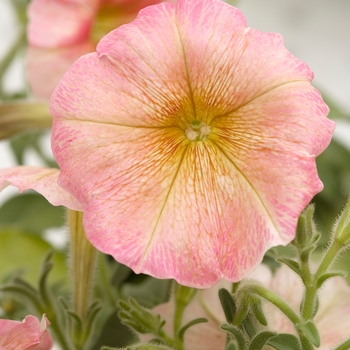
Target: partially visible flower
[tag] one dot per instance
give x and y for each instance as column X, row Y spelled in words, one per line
column 42, row 180
column 201, row 336
column 332, row 318
column 30, row 334
column 60, row 31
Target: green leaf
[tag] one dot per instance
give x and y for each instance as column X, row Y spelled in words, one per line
column 260, row 340
column 31, row 140
column 328, row 275
column 227, row 304
column 22, row 253
column 232, row 345
column 190, row 324
column 139, row 318
column 258, row 312
column 31, row 212
column 294, row 265
column 311, row 331
column 285, row 342
column 23, row 142
column 344, row 346
column 236, row 333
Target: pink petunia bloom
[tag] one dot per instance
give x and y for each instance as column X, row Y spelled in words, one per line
column 332, row 318
column 30, row 334
column 189, row 143
column 60, row 31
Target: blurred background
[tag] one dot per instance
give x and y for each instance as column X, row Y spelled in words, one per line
column 315, row 31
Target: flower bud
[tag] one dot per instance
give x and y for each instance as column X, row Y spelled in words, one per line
column 341, row 227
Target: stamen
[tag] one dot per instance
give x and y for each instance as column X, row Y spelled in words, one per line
column 197, row 131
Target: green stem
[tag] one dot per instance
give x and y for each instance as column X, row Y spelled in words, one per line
column 183, row 296
column 308, row 307
column 282, row 305
column 310, row 280
column 180, row 308
column 82, row 260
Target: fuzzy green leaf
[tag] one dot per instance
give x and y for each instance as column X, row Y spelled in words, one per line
column 227, row 304
column 236, row 333
column 285, row 342
column 294, row 265
column 260, row 340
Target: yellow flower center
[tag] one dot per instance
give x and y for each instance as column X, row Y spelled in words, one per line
column 197, row 131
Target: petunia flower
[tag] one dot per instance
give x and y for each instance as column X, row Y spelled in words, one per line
column 60, row 31
column 189, row 142
column 332, row 318
column 30, row 334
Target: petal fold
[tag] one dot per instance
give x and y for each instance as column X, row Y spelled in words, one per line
column 42, row 180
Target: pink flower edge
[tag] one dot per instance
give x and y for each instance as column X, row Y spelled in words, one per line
column 42, row 180
column 30, row 334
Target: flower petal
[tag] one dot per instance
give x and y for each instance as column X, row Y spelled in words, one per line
column 56, row 23
column 42, row 180
column 228, row 64
column 45, row 67
column 273, row 141
column 27, row 335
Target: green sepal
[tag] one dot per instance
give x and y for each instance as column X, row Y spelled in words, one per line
column 304, row 227
column 94, row 309
column 323, row 278
column 305, row 253
column 189, row 324
column 44, row 291
column 261, row 339
column 232, row 345
column 249, row 327
column 306, row 234
column 285, row 341
column 228, row 304
column 258, row 312
column 311, row 331
column 236, row 333
column 294, row 265
column 341, row 228
column 138, row 317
